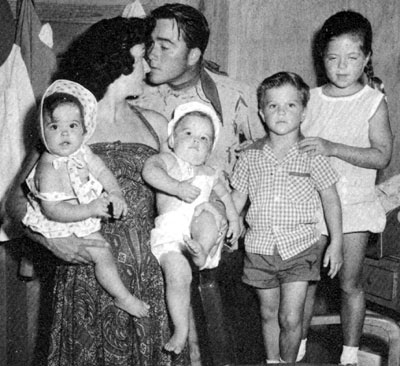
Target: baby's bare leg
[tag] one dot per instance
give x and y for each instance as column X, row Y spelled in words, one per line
column 107, row 274
column 204, row 233
column 178, row 277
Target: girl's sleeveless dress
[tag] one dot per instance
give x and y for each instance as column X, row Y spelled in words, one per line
column 87, row 328
column 346, row 120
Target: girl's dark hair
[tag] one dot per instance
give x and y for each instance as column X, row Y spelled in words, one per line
column 102, row 53
column 341, row 23
column 54, row 100
column 190, row 21
column 280, row 79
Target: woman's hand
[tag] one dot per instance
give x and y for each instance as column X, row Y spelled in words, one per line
column 317, row 146
column 72, row 249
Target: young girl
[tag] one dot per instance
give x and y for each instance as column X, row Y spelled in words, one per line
column 66, row 184
column 184, row 181
column 347, row 120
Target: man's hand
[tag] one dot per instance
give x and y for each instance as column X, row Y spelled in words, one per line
column 233, row 233
column 220, row 220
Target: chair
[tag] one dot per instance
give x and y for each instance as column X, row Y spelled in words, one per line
column 375, row 324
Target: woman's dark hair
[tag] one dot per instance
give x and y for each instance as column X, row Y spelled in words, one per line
column 341, row 23
column 190, row 21
column 280, row 79
column 102, row 53
column 54, row 100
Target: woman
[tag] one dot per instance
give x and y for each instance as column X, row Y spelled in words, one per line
column 108, row 60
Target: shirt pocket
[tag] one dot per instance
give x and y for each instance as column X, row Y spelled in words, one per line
column 300, row 188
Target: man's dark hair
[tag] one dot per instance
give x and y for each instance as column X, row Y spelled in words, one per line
column 191, row 22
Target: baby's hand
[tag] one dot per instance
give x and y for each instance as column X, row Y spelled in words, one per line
column 119, row 205
column 188, row 192
column 99, row 207
column 233, row 233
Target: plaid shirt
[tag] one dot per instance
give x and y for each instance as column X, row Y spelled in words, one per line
column 283, row 198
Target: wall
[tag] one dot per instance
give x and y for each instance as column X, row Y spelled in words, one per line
column 274, row 35
column 252, row 39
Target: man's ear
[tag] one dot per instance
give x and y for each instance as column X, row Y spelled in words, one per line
column 303, row 115
column 194, row 56
column 261, row 114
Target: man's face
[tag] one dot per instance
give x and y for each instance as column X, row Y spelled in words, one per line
column 169, row 55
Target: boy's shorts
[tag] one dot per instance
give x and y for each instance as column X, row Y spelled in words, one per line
column 270, row 271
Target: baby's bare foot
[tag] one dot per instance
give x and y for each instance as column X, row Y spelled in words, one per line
column 133, row 306
column 176, row 343
column 196, row 251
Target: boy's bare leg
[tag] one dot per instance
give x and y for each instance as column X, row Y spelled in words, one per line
column 310, row 298
column 269, row 306
column 204, row 233
column 107, row 274
column 178, row 277
column 293, row 296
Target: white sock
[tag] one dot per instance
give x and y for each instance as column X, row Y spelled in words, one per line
column 302, row 350
column 349, row 355
column 271, row 361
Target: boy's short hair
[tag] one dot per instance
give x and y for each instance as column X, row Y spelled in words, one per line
column 280, row 79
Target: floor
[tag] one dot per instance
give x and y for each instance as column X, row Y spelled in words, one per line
column 242, row 318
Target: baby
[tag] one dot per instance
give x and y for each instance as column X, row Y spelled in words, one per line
column 183, row 181
column 67, row 182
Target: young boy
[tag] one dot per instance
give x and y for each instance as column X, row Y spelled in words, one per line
column 183, row 181
column 282, row 186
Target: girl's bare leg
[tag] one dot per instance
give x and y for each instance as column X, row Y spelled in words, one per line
column 107, row 274
column 353, row 297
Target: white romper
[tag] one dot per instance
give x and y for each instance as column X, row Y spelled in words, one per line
column 171, row 227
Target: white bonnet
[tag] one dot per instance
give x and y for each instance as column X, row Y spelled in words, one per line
column 186, row 108
column 86, row 98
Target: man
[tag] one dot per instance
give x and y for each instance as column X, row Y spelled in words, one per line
column 178, row 75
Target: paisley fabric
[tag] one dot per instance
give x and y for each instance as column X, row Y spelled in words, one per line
column 87, row 328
